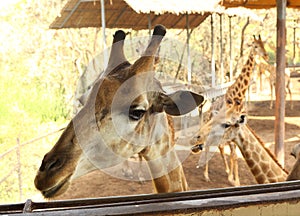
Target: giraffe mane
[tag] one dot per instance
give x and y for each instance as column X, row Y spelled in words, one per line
column 267, row 149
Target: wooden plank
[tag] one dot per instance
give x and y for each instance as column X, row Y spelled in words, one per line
column 175, row 203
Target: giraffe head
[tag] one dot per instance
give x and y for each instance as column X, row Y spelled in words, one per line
column 219, row 129
column 258, row 48
column 296, row 151
column 126, row 112
column 295, row 171
column 198, row 140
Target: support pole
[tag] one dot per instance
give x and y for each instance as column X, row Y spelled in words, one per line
column 189, row 63
column 230, row 51
column 189, row 72
column 221, row 49
column 105, row 53
column 280, row 82
column 294, row 44
column 213, row 71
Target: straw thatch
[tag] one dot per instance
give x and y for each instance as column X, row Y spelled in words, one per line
column 137, row 14
column 175, row 6
column 258, row 4
column 118, row 14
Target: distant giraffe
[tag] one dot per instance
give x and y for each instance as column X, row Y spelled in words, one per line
column 270, row 71
column 231, row 126
column 233, row 98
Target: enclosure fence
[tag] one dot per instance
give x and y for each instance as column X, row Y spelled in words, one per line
column 18, row 165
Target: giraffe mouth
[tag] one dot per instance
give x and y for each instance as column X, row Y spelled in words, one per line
column 57, row 189
column 197, row 148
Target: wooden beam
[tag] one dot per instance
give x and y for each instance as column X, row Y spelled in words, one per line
column 180, row 203
column 280, row 81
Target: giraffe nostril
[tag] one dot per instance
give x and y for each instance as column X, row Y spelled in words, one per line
column 54, row 164
column 50, row 164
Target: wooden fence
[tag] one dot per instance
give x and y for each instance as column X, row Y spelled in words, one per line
column 269, row 199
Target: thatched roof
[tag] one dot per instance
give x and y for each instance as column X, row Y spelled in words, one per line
column 135, row 14
column 174, row 6
column 118, row 14
column 258, row 4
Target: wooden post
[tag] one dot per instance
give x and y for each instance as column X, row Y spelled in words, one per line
column 221, row 49
column 230, row 51
column 213, row 71
column 105, row 54
column 294, row 43
column 189, row 63
column 280, row 82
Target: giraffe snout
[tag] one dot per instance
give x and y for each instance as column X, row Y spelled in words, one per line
column 197, row 148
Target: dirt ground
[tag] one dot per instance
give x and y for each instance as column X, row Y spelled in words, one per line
column 261, row 119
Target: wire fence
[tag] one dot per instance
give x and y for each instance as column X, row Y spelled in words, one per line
column 18, row 166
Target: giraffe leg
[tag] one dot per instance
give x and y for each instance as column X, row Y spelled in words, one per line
column 229, row 170
column 234, row 164
column 126, row 169
column 140, row 173
column 221, row 149
column 205, row 173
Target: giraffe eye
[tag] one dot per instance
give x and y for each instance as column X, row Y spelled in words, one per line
column 242, row 119
column 136, row 114
column 225, row 125
column 229, row 101
column 197, row 137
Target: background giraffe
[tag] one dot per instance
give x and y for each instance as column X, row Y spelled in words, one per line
column 270, row 71
column 234, row 97
column 295, row 173
column 231, row 126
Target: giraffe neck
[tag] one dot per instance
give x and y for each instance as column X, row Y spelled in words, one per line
column 164, row 165
column 164, row 180
column 262, row 163
column 236, row 92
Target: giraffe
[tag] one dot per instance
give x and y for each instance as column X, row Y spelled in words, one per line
column 270, row 71
column 234, row 97
column 127, row 112
column 197, row 143
column 295, row 173
column 235, row 94
column 232, row 126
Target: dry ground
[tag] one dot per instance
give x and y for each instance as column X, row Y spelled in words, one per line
column 261, row 119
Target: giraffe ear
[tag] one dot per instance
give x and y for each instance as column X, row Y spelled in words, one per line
column 181, row 102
